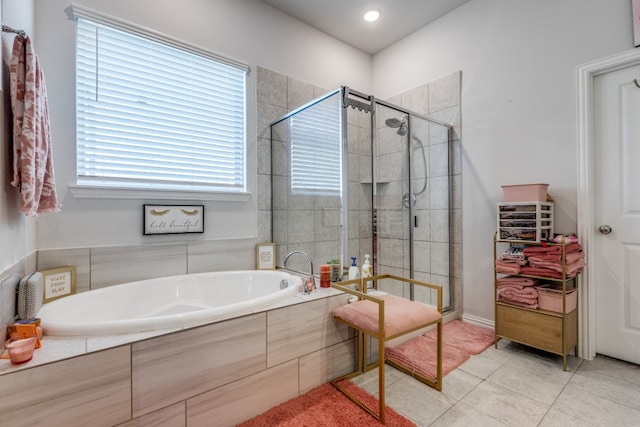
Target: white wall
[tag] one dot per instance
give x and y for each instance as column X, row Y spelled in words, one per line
column 518, row 60
column 248, row 31
column 17, row 232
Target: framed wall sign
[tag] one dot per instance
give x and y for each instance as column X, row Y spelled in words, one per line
column 173, row 219
column 58, row 283
column 265, row 256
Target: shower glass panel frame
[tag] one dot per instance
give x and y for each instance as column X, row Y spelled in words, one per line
column 395, row 199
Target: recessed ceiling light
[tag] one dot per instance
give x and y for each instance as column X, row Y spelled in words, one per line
column 372, row 15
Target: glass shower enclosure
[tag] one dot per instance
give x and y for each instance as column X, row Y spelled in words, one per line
column 352, row 176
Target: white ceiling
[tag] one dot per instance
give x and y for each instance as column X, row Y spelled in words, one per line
column 343, row 19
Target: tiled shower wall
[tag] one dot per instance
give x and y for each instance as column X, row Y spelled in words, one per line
column 302, row 216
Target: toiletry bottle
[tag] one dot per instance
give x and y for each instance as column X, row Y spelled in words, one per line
column 336, row 270
column 367, row 268
column 325, row 276
column 354, row 273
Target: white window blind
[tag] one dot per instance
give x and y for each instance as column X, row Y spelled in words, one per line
column 156, row 116
column 316, row 149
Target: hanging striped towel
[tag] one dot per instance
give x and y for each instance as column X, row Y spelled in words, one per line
column 32, row 151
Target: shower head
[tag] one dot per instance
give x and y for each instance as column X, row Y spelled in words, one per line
column 394, row 122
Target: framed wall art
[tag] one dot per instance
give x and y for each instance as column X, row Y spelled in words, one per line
column 58, row 283
column 173, row 219
column 265, row 256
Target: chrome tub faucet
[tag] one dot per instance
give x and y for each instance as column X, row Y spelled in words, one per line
column 309, row 283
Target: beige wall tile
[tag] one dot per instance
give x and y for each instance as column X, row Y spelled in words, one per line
column 303, row 328
column 298, row 93
column 171, row 416
column 221, row 255
column 54, row 258
column 122, row 264
column 322, row 366
column 177, row 366
column 444, row 92
column 8, row 288
column 92, row 390
column 272, row 87
column 244, row 399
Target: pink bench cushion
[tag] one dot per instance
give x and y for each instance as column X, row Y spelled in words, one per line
column 400, row 315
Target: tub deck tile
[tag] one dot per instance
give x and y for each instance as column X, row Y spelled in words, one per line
column 245, row 398
column 91, row 390
column 175, row 367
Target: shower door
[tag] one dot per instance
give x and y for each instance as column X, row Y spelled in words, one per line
column 411, row 209
column 391, row 175
column 353, row 176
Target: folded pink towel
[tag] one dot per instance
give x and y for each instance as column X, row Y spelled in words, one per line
column 507, row 268
column 517, row 281
column 517, row 294
column 570, row 257
column 571, row 270
column 532, row 250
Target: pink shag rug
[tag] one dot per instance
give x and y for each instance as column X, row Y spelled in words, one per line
column 459, row 341
column 326, row 406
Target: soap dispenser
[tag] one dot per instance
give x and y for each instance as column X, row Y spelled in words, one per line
column 354, row 273
column 367, row 268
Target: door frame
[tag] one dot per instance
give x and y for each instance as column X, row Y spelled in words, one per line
column 586, row 190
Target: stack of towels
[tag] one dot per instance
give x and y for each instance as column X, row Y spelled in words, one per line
column 546, row 261
column 519, row 291
column 542, row 261
column 512, row 261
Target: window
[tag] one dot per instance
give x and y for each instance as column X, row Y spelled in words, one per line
column 316, row 149
column 152, row 114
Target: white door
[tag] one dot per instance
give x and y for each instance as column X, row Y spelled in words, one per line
column 617, row 213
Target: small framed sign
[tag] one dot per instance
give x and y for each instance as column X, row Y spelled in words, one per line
column 58, row 283
column 265, row 256
column 173, row 219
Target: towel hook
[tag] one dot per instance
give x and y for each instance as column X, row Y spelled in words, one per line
column 636, row 83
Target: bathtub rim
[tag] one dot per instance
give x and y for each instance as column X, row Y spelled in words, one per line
column 167, row 321
column 56, row 349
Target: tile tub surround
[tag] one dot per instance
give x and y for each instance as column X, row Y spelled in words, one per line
column 202, row 373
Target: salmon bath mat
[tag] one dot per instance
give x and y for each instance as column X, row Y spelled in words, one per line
column 459, row 341
column 419, row 355
column 470, row 338
column 326, row 406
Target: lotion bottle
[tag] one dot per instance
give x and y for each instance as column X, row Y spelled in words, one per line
column 367, row 268
column 354, row 273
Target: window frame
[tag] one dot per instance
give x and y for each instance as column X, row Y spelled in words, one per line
column 85, row 190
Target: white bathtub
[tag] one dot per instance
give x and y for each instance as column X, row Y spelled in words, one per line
column 167, row 302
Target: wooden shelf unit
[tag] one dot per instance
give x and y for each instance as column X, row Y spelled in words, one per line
column 555, row 332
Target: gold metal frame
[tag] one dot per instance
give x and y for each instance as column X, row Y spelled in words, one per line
column 361, row 350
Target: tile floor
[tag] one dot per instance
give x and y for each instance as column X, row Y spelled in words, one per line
column 517, row 386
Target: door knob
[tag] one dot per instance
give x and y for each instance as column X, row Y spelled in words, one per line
column 605, row 229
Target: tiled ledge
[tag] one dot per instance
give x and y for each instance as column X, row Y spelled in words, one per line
column 55, row 349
